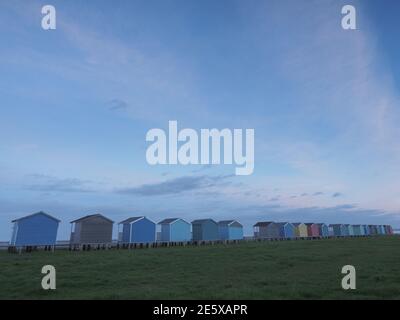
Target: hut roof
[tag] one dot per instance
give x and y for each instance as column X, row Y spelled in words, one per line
column 131, row 220
column 35, row 214
column 282, row 224
column 168, row 221
column 229, row 223
column 92, row 216
column 201, row 221
column 263, row 224
column 172, row 220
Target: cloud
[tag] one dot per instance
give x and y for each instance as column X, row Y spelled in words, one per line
column 274, row 199
column 44, row 183
column 117, row 104
column 318, row 193
column 337, row 195
column 178, row 185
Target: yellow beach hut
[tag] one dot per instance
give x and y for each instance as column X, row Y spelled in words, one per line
column 301, row 230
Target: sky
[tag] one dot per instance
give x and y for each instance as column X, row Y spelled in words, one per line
column 76, row 104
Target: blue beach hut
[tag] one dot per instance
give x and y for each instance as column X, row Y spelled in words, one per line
column 175, row 230
column 323, row 229
column 338, row 230
column 346, row 230
column 358, row 230
column 205, row 229
column 138, row 230
column 351, row 229
column 230, row 230
column 286, row 230
column 38, row 229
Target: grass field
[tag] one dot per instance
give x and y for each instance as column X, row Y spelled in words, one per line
column 269, row 270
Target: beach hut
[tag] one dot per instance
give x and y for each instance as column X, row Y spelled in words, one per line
column 286, row 230
column 366, row 229
column 312, row 230
column 230, row 230
column 138, row 230
column 91, row 229
column 266, row 230
column 38, row 229
column 205, row 230
column 351, row 230
column 301, row 230
column 338, row 229
column 373, row 230
column 323, row 229
column 175, row 230
column 346, row 231
column 358, row 230
column 388, row 229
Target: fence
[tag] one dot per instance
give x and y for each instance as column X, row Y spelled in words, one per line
column 65, row 245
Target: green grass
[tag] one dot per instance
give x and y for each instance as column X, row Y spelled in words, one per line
column 269, row 270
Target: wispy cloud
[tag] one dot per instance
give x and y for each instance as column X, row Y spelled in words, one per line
column 337, row 195
column 117, row 104
column 45, row 183
column 274, row 199
column 178, row 185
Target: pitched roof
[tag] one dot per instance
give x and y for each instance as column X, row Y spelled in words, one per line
column 97, row 215
column 296, row 224
column 309, row 224
column 201, row 221
column 171, row 220
column 225, row 222
column 35, row 214
column 263, row 224
column 131, row 220
column 282, row 224
column 229, row 223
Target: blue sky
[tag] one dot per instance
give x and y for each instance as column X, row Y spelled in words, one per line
column 76, row 104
